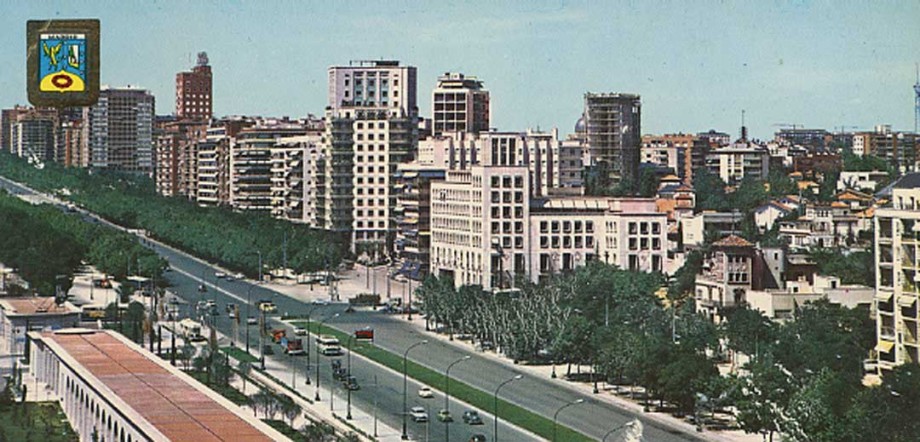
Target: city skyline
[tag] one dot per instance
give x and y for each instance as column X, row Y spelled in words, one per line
column 810, row 64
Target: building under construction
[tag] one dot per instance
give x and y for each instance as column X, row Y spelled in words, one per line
column 613, row 129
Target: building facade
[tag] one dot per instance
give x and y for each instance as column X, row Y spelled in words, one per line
column 119, row 130
column 194, row 91
column 613, row 129
column 461, row 104
column 250, row 171
column 371, row 126
column 897, row 276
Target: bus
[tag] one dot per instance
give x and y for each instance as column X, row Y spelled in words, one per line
column 189, row 330
column 93, row 312
column 328, row 345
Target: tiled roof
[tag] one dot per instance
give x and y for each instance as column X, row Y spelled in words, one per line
column 169, row 402
column 733, row 241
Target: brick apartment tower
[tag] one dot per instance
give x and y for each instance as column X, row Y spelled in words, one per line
column 193, row 91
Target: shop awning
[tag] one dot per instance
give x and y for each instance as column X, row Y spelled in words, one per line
column 884, row 346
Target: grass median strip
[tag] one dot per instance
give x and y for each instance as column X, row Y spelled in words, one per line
column 239, row 354
column 459, row 390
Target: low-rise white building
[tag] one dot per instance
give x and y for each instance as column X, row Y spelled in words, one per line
column 20, row 315
column 863, row 181
column 111, row 389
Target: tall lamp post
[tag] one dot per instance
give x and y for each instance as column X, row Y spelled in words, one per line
column 556, row 415
column 447, row 395
column 319, row 330
column 495, row 403
column 350, row 342
column 405, row 434
column 307, row 370
column 248, row 303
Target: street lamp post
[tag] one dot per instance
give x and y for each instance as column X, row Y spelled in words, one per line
column 405, row 434
column 629, row 424
column 248, row 303
column 556, row 415
column 447, row 395
column 495, row 404
column 307, row 369
column 348, row 376
column 319, row 330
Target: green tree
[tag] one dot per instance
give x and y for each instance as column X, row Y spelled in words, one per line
column 709, row 190
column 686, row 374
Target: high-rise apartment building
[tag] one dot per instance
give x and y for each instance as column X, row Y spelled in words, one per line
column 898, row 148
column 371, row 126
column 251, row 164
column 613, row 130
column 682, row 153
column 897, row 275
column 193, row 91
column 177, row 157
column 35, row 135
column 293, row 168
column 119, row 130
column 460, row 105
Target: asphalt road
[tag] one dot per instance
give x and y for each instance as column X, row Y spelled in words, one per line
column 593, row 417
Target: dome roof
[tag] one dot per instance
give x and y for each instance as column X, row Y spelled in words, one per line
column 580, row 126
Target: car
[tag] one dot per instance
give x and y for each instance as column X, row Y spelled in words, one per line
column 202, row 288
column 300, row 331
column 478, row 438
column 230, row 307
column 418, row 414
column 252, row 320
column 320, row 302
column 232, row 314
column 219, row 275
column 425, row 393
column 471, row 417
column 444, row 416
column 229, row 277
column 351, row 383
column 239, row 276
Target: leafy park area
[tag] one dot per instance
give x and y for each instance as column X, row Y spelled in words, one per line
column 47, row 246
column 32, row 421
column 213, row 233
column 801, row 378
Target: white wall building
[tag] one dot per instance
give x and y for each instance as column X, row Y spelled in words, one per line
column 113, row 390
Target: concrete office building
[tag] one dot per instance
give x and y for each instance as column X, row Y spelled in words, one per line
column 119, row 130
column 613, row 129
column 194, row 91
column 111, row 389
column 897, row 275
column 486, row 229
column 460, row 105
column 371, row 126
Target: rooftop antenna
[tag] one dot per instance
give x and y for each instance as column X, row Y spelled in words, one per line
column 743, row 128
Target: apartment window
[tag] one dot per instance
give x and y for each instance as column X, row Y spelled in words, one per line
column 496, row 212
column 633, row 244
column 495, row 227
column 518, row 243
column 506, row 197
column 589, row 242
column 518, row 182
column 555, row 242
column 544, row 242
column 518, row 227
column 656, row 244
column 656, row 228
column 589, row 226
column 643, row 244
column 544, row 226
column 578, row 242
column 644, row 228
column 567, row 242
column 566, row 227
column 496, row 181
column 496, row 198
column 518, row 212
column 506, row 227
column 577, row 226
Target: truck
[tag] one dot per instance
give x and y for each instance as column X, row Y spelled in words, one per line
column 366, row 334
column 295, row 347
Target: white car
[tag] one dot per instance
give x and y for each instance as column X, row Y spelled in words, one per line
column 300, row 331
column 252, row 320
column 320, row 301
column 239, row 276
column 220, row 274
column 425, row 392
column 418, row 414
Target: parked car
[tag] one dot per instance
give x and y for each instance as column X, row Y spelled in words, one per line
column 239, row 276
column 471, row 417
column 425, row 392
column 478, row 438
column 418, row 414
column 444, row 416
column 252, row 320
column 300, row 331
column 351, row 383
column 202, row 288
column 219, row 275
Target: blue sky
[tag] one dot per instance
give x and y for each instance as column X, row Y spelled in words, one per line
column 695, row 64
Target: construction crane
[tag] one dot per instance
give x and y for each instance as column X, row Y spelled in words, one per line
column 793, row 126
